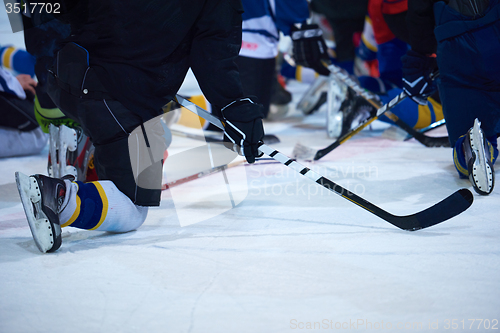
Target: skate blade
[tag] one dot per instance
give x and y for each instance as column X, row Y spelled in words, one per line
column 482, row 176
column 41, row 228
column 68, row 137
column 301, row 152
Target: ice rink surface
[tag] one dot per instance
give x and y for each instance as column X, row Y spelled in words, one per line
column 290, row 257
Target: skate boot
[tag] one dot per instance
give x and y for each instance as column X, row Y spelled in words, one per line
column 43, row 198
column 314, row 97
column 354, row 112
column 478, row 157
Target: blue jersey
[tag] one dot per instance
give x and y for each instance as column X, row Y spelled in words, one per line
column 262, row 21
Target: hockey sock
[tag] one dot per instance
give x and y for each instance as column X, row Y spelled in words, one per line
column 100, row 206
column 18, row 60
column 459, row 154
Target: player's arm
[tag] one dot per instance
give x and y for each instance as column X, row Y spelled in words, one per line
column 10, row 85
column 420, row 61
column 420, row 22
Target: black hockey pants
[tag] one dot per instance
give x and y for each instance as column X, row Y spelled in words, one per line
column 77, row 91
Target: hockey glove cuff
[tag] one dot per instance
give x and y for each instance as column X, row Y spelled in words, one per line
column 417, row 81
column 309, row 48
column 243, row 129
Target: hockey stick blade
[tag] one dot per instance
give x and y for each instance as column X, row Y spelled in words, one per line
column 428, row 141
column 304, row 153
column 435, row 141
column 432, row 126
column 442, row 211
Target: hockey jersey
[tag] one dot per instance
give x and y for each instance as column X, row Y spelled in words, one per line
column 394, row 6
column 262, row 22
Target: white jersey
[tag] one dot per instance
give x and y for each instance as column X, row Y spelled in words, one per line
column 262, row 22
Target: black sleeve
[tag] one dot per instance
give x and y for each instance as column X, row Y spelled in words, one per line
column 397, row 25
column 420, row 22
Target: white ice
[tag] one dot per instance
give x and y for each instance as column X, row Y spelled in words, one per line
column 288, row 256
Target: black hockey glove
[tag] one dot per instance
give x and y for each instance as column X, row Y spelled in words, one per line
column 309, row 48
column 417, row 81
column 242, row 120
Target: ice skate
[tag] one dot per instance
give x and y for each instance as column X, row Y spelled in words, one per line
column 42, row 198
column 478, row 159
column 70, row 153
column 314, row 97
column 353, row 111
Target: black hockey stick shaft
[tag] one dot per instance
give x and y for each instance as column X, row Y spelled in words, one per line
column 445, row 209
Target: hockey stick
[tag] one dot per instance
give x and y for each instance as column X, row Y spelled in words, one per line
column 305, row 153
column 200, row 175
column 268, row 138
column 193, row 136
column 208, row 172
column 432, row 126
column 442, row 211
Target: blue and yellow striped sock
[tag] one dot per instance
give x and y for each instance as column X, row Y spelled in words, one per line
column 100, row 206
column 17, row 60
column 91, row 207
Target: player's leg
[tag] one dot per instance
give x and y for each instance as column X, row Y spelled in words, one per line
column 470, row 91
column 257, row 78
column 116, row 202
